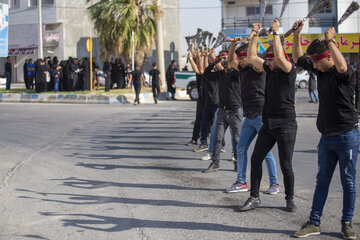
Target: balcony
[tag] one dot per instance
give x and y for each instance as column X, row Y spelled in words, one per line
column 243, row 22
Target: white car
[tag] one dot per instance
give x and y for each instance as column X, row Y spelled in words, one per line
column 302, row 79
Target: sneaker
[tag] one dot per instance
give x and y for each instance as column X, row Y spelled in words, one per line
column 155, row 100
column 192, row 142
column 273, row 189
column 202, row 148
column 213, row 167
column 206, row 157
column 232, row 158
column 237, row 187
column 348, row 231
column 290, row 205
column 223, row 149
column 308, row 229
column 250, row 204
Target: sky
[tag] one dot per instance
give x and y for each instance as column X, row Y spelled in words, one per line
column 204, row 14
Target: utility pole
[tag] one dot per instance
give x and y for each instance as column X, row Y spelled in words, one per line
column 40, row 47
column 160, row 43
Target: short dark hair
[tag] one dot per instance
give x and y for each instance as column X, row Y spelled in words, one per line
column 317, row 47
column 223, row 51
column 173, row 61
column 154, row 64
column 270, row 49
column 242, row 48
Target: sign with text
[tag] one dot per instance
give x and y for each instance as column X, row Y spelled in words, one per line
column 4, row 26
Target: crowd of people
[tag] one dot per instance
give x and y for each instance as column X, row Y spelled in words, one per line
column 255, row 96
column 73, row 74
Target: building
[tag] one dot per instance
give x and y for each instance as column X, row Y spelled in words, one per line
column 66, row 28
column 238, row 15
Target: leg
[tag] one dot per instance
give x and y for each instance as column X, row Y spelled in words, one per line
column 247, row 135
column 213, row 132
column 286, row 137
column 326, row 165
column 347, row 151
column 196, row 129
column 218, row 137
column 263, row 145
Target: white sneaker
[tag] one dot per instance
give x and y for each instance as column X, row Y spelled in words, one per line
column 206, row 157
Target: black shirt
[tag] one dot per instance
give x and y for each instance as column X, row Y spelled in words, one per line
column 279, row 108
column 136, row 74
column 230, row 89
column 252, row 91
column 337, row 113
column 211, row 86
column 8, row 67
column 154, row 73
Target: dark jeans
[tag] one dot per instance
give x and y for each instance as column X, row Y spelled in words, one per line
column 206, row 122
column 285, row 137
column 8, row 80
column 30, row 79
column 233, row 118
column 342, row 149
column 156, row 90
column 137, row 88
column 107, row 82
column 196, row 129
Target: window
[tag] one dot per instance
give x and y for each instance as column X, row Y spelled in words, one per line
column 231, row 2
column 14, row 3
column 256, row 10
column 312, row 4
column 33, row 3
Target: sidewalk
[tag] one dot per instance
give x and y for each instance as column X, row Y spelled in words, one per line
column 84, row 98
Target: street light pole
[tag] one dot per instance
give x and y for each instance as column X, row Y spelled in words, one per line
column 160, row 44
column 40, row 47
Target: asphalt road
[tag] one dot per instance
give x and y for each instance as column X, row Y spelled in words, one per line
column 123, row 172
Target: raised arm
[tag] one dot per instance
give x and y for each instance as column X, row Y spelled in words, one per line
column 339, row 60
column 232, row 58
column 297, row 51
column 206, row 58
column 252, row 56
column 192, row 62
column 282, row 62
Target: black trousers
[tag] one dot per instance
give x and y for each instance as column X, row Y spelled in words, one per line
column 199, row 111
column 285, row 137
column 137, row 88
column 156, row 90
column 206, row 122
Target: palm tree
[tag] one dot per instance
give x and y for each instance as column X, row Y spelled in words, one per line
column 116, row 20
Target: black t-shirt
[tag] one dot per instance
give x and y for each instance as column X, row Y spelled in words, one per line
column 252, row 91
column 136, row 74
column 230, row 89
column 154, row 73
column 337, row 113
column 279, row 108
column 211, row 86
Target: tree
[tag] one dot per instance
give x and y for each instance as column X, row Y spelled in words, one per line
column 116, row 20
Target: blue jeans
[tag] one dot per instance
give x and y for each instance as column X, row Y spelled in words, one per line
column 56, row 85
column 313, row 95
column 212, row 135
column 250, row 127
column 343, row 148
column 8, row 80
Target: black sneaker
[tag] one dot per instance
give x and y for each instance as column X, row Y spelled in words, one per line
column 250, row 204
column 192, row 142
column 202, row 148
column 290, row 205
column 155, row 100
column 212, row 168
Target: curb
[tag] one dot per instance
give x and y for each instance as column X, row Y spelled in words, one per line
column 83, row 98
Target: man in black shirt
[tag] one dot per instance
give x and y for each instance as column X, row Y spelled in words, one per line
column 279, row 116
column 337, row 122
column 253, row 98
column 155, row 84
column 137, row 77
column 107, row 74
column 8, row 73
column 230, row 110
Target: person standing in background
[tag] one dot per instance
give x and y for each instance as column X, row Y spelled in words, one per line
column 30, row 73
column 312, row 88
column 8, row 73
column 156, row 81
column 107, row 72
column 25, row 74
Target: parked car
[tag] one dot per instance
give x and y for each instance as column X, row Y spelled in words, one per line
column 302, row 79
column 187, row 80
